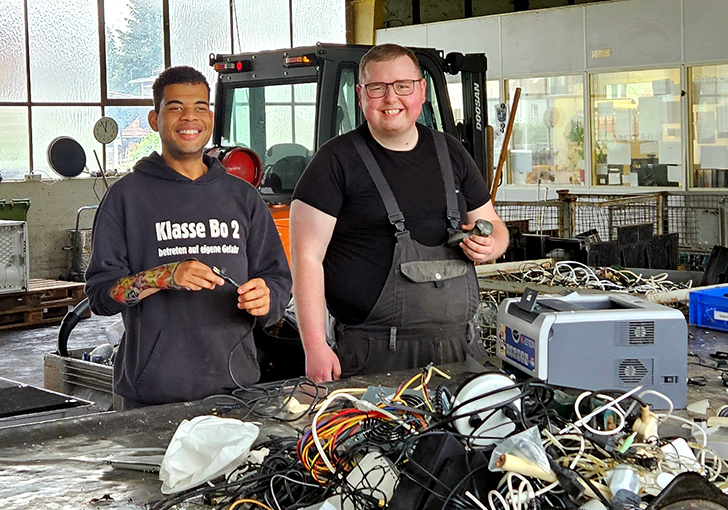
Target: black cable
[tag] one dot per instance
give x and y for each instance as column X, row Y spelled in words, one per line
column 268, row 400
column 460, row 484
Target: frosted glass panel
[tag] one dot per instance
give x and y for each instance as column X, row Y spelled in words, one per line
column 198, row 28
column 278, row 94
column 136, row 139
column 278, row 128
column 305, row 93
column 76, row 122
column 304, row 117
column 13, row 86
column 14, row 163
column 64, row 50
column 134, row 53
column 310, row 26
column 261, row 25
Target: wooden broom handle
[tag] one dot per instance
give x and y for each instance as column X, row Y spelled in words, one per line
column 506, row 139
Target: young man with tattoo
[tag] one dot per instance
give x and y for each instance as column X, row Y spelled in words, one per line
column 157, row 236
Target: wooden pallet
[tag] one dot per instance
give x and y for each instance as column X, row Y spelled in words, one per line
column 45, row 302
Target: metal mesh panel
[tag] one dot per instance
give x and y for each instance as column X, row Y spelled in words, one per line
column 532, row 217
column 13, row 257
column 605, row 213
column 573, row 214
column 698, row 219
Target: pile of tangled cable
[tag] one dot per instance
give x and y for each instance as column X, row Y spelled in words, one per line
column 492, row 444
column 577, row 275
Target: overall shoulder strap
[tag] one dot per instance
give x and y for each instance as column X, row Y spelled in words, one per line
column 448, row 177
column 395, row 215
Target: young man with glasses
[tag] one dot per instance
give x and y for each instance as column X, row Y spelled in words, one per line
column 370, row 221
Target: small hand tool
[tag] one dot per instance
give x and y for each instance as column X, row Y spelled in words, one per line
column 482, row 228
column 220, row 271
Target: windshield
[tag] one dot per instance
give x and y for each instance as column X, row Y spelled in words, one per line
column 277, row 122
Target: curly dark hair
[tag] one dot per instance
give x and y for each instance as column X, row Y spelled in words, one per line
column 174, row 76
column 384, row 53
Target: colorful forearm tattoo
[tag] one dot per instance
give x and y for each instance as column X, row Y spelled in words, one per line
column 127, row 289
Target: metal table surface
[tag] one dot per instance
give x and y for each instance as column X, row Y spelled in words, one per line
column 64, row 464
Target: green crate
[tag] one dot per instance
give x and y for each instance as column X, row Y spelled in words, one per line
column 15, row 209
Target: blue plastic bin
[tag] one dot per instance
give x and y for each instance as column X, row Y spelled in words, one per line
column 709, row 308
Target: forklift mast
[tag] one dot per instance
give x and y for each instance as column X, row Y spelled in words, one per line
column 281, row 106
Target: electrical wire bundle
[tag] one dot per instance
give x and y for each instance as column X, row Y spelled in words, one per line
column 602, row 446
column 574, row 274
column 281, row 400
column 336, row 440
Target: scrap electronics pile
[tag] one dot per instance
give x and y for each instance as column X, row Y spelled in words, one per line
column 492, row 443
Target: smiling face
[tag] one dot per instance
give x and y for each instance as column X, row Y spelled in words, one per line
column 184, row 121
column 392, row 118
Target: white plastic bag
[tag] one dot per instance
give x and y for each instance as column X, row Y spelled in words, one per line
column 526, row 446
column 204, row 448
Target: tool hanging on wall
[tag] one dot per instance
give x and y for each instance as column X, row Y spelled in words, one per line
column 506, row 139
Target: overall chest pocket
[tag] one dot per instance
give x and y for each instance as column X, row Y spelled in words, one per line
column 435, row 291
column 436, row 271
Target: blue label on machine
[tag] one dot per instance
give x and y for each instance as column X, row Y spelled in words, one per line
column 520, row 348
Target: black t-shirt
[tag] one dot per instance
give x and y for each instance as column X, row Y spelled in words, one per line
column 359, row 255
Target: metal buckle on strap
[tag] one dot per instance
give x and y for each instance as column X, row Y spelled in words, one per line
column 454, row 217
column 397, row 219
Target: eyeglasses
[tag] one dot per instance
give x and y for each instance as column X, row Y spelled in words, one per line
column 378, row 89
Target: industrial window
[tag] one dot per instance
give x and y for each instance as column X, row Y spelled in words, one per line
column 709, row 126
column 73, row 83
column 547, row 144
column 636, row 128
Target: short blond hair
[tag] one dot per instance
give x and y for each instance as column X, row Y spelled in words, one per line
column 385, row 53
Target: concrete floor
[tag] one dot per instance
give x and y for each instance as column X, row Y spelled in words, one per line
column 22, row 350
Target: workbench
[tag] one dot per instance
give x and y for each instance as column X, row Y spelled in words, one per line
column 65, row 464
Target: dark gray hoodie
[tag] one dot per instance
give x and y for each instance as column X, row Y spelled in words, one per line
column 184, row 345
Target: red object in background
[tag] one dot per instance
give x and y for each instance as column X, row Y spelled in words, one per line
column 241, row 162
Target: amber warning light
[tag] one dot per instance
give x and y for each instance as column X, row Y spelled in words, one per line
column 238, row 65
column 300, row 61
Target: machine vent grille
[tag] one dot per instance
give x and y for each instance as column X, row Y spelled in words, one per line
column 637, row 333
column 632, row 371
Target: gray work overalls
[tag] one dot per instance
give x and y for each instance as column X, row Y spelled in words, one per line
column 425, row 312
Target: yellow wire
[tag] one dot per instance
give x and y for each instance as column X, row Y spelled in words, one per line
column 404, row 388
column 252, row 501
